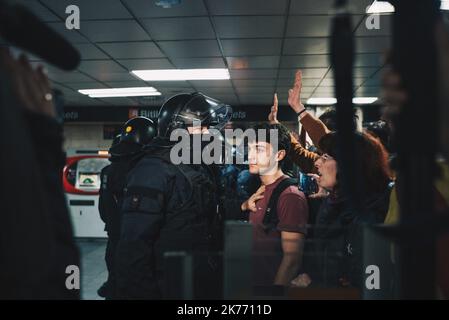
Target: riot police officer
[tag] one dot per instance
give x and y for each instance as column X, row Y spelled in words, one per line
column 170, row 208
column 125, row 151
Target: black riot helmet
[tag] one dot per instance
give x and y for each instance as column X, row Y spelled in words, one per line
column 180, row 112
column 134, row 134
column 116, row 140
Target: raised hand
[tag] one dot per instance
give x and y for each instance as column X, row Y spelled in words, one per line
column 294, row 94
column 272, row 117
column 30, row 87
column 250, row 204
column 302, row 281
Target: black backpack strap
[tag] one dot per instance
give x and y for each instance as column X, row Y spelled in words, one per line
column 271, row 219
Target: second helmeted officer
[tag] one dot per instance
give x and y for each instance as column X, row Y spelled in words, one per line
column 125, row 151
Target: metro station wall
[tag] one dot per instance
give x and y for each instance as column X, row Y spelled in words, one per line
column 85, row 136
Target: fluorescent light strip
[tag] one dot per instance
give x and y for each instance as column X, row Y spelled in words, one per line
column 319, row 101
column 182, row 74
column 120, row 92
column 331, row 101
column 117, row 90
column 364, row 100
column 380, row 7
column 386, row 7
column 135, row 94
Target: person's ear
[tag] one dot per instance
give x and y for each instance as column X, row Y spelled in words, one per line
column 281, row 155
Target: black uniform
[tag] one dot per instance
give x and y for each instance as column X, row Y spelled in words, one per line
column 113, row 180
column 172, row 208
column 166, row 208
column 125, row 151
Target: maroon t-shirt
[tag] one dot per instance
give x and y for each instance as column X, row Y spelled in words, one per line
column 292, row 212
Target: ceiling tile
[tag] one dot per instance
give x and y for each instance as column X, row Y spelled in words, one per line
column 358, row 72
column 247, row 7
column 306, row 73
column 254, row 74
column 72, row 36
column 330, row 82
column 126, row 84
column 148, row 9
column 325, row 90
column 192, row 63
column 308, row 26
column 226, row 98
column 372, row 82
column 174, row 90
column 194, row 48
column 306, row 46
column 211, row 84
column 114, row 30
column 216, row 91
column 307, row 7
column 145, row 64
column 179, row 28
column 165, row 84
column 67, row 77
column 305, row 82
column 310, row 61
column 372, row 44
column 253, row 62
column 321, row 95
column 91, row 10
column 86, row 85
column 283, row 91
column 256, row 47
column 112, row 76
column 254, row 83
column 364, row 72
column 368, row 60
column 100, row 66
column 124, row 50
column 368, row 91
column 254, row 90
column 250, row 27
column 89, row 51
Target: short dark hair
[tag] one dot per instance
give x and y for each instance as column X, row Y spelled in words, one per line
column 329, row 118
column 380, row 129
column 283, row 136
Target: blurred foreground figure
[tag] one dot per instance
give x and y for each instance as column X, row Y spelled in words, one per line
column 36, row 238
column 396, row 97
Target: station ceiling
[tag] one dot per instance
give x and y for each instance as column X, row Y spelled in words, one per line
column 262, row 42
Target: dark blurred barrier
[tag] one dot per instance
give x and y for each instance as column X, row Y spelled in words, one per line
column 324, row 267
column 35, row 237
column 414, row 57
column 23, row 29
column 342, row 60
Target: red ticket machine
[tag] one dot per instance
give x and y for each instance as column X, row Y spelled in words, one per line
column 81, row 179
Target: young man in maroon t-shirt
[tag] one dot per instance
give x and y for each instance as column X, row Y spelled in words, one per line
column 278, row 250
